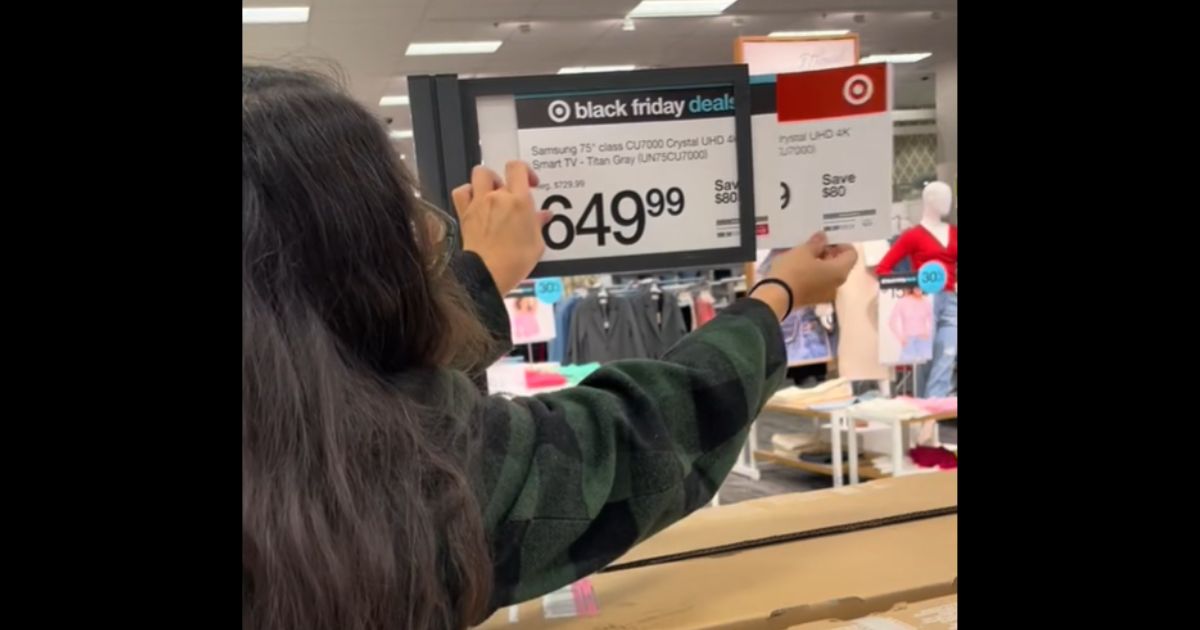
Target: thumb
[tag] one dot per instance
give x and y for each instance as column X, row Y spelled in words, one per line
column 817, row 243
column 544, row 217
column 843, row 258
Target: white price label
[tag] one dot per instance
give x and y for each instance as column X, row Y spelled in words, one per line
column 633, row 173
column 823, row 144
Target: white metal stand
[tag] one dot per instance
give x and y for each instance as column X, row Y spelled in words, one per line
column 840, row 420
column 835, row 443
column 852, row 435
column 746, row 466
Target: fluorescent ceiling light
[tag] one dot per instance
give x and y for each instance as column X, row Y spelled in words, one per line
column 828, row 33
column 584, row 69
column 400, row 135
column 394, row 101
column 897, row 58
column 452, row 48
column 679, row 8
column 274, row 15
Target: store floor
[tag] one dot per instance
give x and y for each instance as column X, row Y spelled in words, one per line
column 782, row 480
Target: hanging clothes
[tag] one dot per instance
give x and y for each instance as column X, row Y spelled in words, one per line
column 661, row 321
column 557, row 349
column 705, row 309
column 604, row 329
column 688, row 308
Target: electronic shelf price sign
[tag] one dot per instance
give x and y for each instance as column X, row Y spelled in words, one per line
column 643, row 170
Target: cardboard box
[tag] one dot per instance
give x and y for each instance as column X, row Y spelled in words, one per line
column 772, row 563
column 939, row 613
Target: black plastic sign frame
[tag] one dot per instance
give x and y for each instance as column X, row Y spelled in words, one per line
column 459, row 147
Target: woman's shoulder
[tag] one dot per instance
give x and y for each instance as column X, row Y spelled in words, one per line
column 452, row 392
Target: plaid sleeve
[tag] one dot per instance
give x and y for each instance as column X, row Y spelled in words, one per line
column 469, row 270
column 573, row 479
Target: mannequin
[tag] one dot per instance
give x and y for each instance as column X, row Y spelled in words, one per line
column 934, row 240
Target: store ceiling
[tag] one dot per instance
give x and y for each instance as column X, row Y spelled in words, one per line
column 364, row 41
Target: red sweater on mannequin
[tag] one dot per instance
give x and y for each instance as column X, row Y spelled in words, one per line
column 923, row 247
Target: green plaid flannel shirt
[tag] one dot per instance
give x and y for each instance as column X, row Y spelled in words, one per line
column 571, row 480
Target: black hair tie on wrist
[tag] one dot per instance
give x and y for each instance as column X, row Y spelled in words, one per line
column 780, row 283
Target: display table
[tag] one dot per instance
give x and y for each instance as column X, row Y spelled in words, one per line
column 898, row 428
column 839, row 419
column 772, row 563
column 508, row 377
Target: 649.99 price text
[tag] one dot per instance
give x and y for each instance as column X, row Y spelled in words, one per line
column 627, row 208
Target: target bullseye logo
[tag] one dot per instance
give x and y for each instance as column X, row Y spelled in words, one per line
column 858, row 89
column 558, row 111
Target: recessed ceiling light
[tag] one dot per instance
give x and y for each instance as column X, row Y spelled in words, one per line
column 828, row 33
column 274, row 15
column 452, row 48
column 394, row 101
column 895, row 58
column 585, row 69
column 403, row 157
column 679, row 8
column 400, row 134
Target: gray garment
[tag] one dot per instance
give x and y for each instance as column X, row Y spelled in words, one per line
column 591, row 342
column 659, row 337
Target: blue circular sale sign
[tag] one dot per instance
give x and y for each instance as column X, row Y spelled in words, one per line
column 548, row 290
column 931, row 277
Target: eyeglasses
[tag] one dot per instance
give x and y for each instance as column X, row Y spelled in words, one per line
column 442, row 230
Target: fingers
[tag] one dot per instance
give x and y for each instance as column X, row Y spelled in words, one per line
column 817, row 243
column 461, row 197
column 484, row 180
column 544, row 217
column 833, row 252
column 519, row 177
column 842, row 259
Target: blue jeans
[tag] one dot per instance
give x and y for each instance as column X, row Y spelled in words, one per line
column 935, row 376
column 916, row 351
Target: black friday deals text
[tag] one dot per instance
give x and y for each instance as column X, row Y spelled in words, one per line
column 633, row 172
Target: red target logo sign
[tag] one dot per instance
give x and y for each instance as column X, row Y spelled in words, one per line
column 850, row 91
column 858, row 89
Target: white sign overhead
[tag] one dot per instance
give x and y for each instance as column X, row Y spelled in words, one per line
column 779, row 56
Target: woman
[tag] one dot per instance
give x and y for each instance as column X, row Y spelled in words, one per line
column 380, row 488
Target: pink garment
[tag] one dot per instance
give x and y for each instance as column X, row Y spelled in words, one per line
column 933, row 405
column 525, row 325
column 703, row 312
column 912, row 317
column 536, row 380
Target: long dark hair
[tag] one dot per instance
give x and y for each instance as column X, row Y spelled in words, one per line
column 357, row 509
